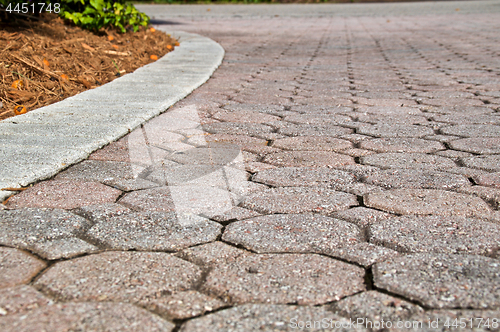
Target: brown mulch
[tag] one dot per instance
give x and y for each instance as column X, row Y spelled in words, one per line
column 47, row 60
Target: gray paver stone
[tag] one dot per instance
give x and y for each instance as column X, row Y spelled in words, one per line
column 428, row 201
column 442, row 280
column 487, row 163
column 63, row 194
column 299, row 200
column 297, row 233
column 305, row 279
column 154, row 231
column 18, row 267
column 155, row 199
column 373, row 306
column 394, row 130
column 304, row 176
column 210, row 254
column 417, row 179
column 312, row 143
column 489, row 145
column 108, row 316
column 407, row 160
column 408, row 145
column 450, row 235
column 308, row 159
column 362, row 216
column 27, row 228
column 364, row 254
column 183, row 305
column 266, row 318
column 472, row 130
column 21, row 298
column 63, row 248
column 118, row 277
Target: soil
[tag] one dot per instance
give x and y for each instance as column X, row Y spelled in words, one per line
column 46, row 60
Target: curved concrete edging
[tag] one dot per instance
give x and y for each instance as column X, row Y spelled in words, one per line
column 37, row 145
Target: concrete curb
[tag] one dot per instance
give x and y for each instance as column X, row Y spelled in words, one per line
column 37, row 145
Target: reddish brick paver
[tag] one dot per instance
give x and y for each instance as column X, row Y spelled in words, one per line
column 343, row 161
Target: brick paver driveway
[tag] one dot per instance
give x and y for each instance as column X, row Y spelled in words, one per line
column 342, row 167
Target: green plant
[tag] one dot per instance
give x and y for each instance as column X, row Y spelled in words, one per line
column 96, row 14
column 88, row 14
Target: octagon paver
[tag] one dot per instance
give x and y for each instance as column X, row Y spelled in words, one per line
column 441, row 280
column 64, row 194
column 298, row 200
column 472, row 130
column 211, row 254
column 304, row 176
column 37, row 229
column 118, row 277
column 89, row 316
column 428, row 201
column 417, row 179
column 154, row 231
column 487, row 163
column 394, row 130
column 21, row 298
column 479, row 145
column 375, row 306
column 308, row 159
column 156, row 199
column 450, row 235
column 18, row 267
column 285, row 278
column 183, row 305
column 266, row 318
column 407, row 160
column 298, row 233
column 312, row 143
column 408, row 145
column 313, row 130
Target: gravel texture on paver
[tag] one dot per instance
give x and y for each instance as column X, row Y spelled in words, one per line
column 489, row 180
column 108, row 316
column 304, row 176
column 364, row 254
column 212, row 254
column 118, row 276
column 63, row 248
column 428, row 201
column 440, row 234
column 101, row 212
column 308, row 159
column 362, row 216
column 416, row 179
column 408, row 160
column 305, row 279
column 472, row 130
column 97, row 170
column 318, row 130
column 266, row 318
column 18, row 267
column 20, row 299
column 150, row 200
column 477, row 145
column 298, row 200
column 63, row 194
column 373, row 306
column 33, row 228
column 442, row 280
column 401, row 145
column 183, row 305
column 293, row 233
column 236, row 213
column 312, row 143
column 393, row 130
column 154, row 231
column 489, row 163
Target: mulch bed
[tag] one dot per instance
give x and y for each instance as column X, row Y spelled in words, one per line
column 46, row 60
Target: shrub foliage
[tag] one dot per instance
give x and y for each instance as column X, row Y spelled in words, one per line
column 88, row 14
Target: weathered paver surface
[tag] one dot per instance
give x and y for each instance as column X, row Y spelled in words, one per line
column 342, row 165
